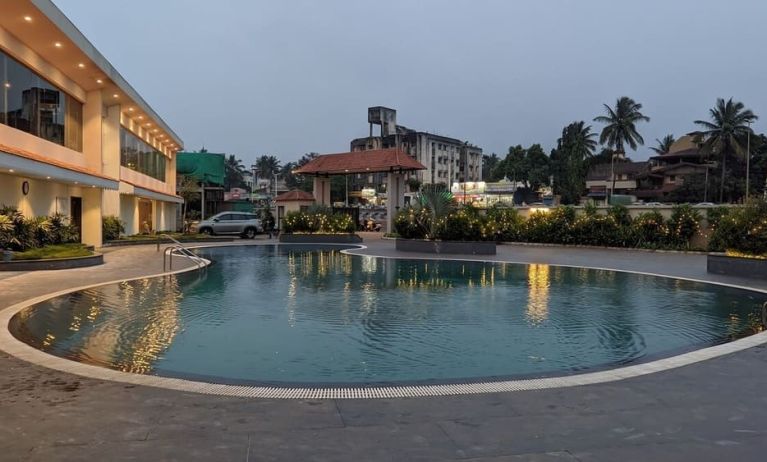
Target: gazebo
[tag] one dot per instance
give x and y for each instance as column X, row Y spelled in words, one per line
column 395, row 162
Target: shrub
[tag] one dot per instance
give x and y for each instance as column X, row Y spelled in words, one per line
column 595, row 229
column 552, row 226
column 463, row 225
column 683, row 225
column 620, row 214
column 412, row 222
column 112, row 227
column 320, row 222
column 742, row 230
column 510, row 225
column 649, row 230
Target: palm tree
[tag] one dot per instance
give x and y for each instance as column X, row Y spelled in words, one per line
column 267, row 166
column 233, row 171
column 725, row 136
column 620, row 127
column 574, row 148
column 664, row 145
column 620, row 124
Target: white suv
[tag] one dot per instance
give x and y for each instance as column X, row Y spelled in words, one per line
column 244, row 224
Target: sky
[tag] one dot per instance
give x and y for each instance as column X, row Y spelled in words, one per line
column 287, row 77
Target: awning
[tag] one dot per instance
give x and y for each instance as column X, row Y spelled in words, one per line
column 17, row 164
column 133, row 190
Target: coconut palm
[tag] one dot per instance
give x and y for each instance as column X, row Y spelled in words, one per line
column 664, row 144
column 267, row 166
column 233, row 171
column 568, row 160
column 725, row 136
column 620, row 124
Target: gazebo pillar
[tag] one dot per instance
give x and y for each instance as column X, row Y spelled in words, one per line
column 322, row 190
column 395, row 197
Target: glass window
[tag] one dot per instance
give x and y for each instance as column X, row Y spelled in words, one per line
column 138, row 155
column 31, row 104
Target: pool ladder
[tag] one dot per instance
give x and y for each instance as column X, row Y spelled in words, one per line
column 177, row 247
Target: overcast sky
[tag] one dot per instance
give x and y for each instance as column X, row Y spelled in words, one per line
column 287, row 77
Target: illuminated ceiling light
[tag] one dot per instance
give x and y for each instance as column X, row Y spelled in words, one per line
column 148, row 124
column 155, row 131
column 77, row 182
column 115, row 96
column 47, row 178
column 140, row 117
column 130, row 109
column 99, row 81
column 81, row 65
column 28, row 18
column 57, row 44
column 11, row 170
column 7, row 84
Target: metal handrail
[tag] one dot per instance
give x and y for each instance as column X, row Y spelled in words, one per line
column 167, row 256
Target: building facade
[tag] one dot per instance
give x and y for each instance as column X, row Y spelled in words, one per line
column 75, row 137
column 447, row 160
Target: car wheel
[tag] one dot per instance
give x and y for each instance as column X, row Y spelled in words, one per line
column 250, row 233
column 206, row 231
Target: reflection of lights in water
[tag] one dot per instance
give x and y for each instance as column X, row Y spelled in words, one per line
column 74, row 326
column 369, row 297
column 369, row 264
column 538, row 293
column 49, row 338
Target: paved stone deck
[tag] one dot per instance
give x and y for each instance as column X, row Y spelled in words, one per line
column 709, row 411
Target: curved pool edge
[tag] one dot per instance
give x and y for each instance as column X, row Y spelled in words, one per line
column 25, row 352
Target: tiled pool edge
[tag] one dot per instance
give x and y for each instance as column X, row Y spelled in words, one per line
column 20, row 350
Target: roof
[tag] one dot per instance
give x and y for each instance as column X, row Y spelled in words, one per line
column 602, row 171
column 376, row 160
column 294, row 196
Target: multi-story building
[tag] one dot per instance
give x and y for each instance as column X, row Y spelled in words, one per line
column 75, row 137
column 447, row 160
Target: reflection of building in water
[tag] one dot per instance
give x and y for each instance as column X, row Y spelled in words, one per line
column 139, row 340
column 538, row 293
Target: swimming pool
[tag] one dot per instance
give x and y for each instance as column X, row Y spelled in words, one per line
column 314, row 315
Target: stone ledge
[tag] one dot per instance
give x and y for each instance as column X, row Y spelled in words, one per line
column 447, row 247
column 752, row 268
column 52, row 263
column 320, row 238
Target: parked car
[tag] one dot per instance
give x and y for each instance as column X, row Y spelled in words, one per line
column 246, row 225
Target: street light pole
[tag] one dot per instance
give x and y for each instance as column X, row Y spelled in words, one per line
column 748, row 158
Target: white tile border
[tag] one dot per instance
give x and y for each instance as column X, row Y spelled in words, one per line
column 21, row 350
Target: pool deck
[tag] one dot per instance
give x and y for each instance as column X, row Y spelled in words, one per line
column 708, row 411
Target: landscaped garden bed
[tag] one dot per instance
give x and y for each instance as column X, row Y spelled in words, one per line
column 319, row 225
column 739, row 242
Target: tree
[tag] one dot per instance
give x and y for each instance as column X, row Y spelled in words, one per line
column 488, row 164
column 303, row 182
column 725, row 136
column 188, row 189
column 537, row 167
column 664, row 145
column 267, row 166
column 286, row 172
column 620, row 125
column 233, row 173
column 569, row 160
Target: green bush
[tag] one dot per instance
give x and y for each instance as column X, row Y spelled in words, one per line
column 320, row 222
column 553, row 226
column 742, row 230
column 510, row 225
column 595, row 229
column 683, row 225
column 649, row 230
column 412, row 222
column 112, row 227
column 462, row 225
column 19, row 233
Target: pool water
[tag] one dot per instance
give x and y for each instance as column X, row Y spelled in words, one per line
column 315, row 315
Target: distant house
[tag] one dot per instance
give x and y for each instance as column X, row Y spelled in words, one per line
column 599, row 179
column 667, row 172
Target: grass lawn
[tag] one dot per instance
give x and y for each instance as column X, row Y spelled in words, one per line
column 54, row 251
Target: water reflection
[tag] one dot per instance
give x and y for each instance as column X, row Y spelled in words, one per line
column 538, row 293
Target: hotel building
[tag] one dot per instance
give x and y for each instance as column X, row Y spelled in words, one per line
column 75, row 137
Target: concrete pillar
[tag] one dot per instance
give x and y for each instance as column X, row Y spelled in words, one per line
column 322, row 190
column 92, row 135
column 91, row 232
column 395, row 197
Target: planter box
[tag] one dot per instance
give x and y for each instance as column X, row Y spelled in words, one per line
column 719, row 263
column 52, row 264
column 447, row 247
column 320, row 238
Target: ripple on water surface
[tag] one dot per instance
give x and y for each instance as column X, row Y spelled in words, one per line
column 312, row 315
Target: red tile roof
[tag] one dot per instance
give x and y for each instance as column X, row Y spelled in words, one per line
column 375, row 160
column 294, row 196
